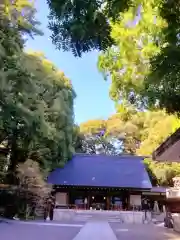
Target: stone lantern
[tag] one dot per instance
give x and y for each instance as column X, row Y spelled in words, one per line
column 176, row 181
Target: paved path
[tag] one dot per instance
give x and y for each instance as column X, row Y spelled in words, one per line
column 143, row 232
column 37, row 231
column 96, row 230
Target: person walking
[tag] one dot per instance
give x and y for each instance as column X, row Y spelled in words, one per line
column 49, row 208
column 145, row 207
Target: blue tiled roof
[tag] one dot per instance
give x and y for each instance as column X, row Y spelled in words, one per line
column 102, row 171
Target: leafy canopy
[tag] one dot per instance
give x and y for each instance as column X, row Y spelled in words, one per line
column 137, row 35
column 133, row 132
column 144, row 62
column 81, row 26
column 162, row 85
column 139, row 40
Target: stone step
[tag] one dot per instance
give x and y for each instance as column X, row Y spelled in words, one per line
column 91, row 217
column 87, row 216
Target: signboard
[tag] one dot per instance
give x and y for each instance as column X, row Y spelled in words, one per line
column 152, row 193
column 61, row 198
column 135, row 200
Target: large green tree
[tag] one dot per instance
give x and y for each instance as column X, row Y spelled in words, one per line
column 37, row 112
column 36, row 117
column 36, row 100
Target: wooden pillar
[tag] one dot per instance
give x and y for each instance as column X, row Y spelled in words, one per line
column 88, row 202
column 108, row 202
column 67, row 199
column 128, row 200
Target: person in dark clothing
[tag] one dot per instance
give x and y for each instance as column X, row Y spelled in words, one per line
column 45, row 212
column 52, row 206
column 145, row 204
column 49, row 208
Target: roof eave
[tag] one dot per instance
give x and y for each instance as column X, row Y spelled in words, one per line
column 166, row 144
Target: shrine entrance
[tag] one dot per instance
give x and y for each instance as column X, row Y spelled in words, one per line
column 98, row 201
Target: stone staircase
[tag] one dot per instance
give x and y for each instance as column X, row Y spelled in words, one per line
column 97, row 217
column 109, row 216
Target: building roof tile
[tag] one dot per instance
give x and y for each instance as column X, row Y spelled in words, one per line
column 102, row 171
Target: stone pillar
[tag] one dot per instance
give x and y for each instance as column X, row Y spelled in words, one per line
column 174, row 194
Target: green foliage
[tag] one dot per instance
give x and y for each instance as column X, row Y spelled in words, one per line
column 137, row 36
column 93, row 126
column 95, row 139
column 139, row 132
column 78, row 139
column 162, row 173
column 38, row 112
column 95, row 144
column 36, row 101
column 144, row 63
column 20, row 15
column 157, row 127
column 163, row 85
column 139, row 40
column 133, row 132
column 81, row 26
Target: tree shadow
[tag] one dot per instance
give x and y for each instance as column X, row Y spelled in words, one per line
column 171, row 236
column 168, row 234
column 7, row 221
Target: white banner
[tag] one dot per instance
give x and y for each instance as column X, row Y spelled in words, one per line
column 135, row 200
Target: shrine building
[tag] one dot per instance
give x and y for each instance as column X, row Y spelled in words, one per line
column 102, row 182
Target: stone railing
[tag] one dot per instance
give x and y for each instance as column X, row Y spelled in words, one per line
column 173, row 196
column 176, row 221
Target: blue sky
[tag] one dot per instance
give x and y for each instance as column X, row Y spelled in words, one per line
column 92, row 91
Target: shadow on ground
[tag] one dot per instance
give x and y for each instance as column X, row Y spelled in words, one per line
column 10, row 230
column 13, row 230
